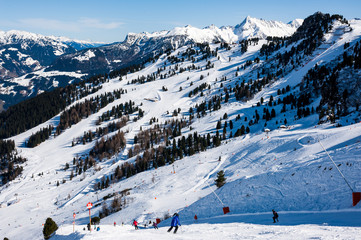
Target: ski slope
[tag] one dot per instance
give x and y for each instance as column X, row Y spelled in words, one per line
column 285, row 169
column 227, row 227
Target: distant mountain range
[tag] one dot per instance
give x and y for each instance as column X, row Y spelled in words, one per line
column 23, row 52
column 33, row 63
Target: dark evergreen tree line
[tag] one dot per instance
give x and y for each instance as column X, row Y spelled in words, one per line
column 84, row 109
column 32, row 112
column 308, row 37
column 159, row 133
column 246, row 42
column 101, row 131
column 120, row 110
column 9, row 161
column 199, row 88
column 323, row 80
column 39, row 137
column 105, row 148
column 160, row 156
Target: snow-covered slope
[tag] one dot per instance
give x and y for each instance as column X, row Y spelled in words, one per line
column 284, row 168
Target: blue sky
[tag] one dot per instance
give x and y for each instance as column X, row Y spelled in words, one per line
column 110, row 21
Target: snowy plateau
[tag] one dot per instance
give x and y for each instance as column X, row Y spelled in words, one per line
column 278, row 163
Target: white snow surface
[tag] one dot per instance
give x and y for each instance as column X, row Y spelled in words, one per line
column 27, row 82
column 285, row 169
column 204, row 231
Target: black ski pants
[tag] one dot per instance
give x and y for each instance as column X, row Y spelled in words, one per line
column 175, row 229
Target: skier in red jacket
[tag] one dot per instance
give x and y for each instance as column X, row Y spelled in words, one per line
column 135, row 224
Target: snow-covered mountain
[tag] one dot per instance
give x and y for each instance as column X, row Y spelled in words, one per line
column 249, row 28
column 78, row 44
column 138, row 47
column 149, row 141
column 23, row 52
column 135, row 49
column 253, row 27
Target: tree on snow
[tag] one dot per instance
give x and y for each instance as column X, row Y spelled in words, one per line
column 221, row 180
column 49, row 228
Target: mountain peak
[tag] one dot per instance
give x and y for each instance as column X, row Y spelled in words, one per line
column 254, row 27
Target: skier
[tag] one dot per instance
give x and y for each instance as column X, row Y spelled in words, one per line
column 135, row 224
column 195, row 218
column 175, row 222
column 155, row 225
column 275, row 216
column 115, row 224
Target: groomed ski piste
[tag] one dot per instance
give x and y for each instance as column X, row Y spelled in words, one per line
column 285, row 169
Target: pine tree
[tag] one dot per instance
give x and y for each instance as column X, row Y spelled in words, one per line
column 49, row 228
column 219, row 125
column 221, row 180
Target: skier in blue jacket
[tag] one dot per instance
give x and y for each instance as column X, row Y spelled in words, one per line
column 175, row 222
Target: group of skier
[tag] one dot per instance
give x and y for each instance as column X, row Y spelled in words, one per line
column 175, row 223
column 135, row 224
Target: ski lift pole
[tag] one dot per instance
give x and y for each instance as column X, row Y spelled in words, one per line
column 215, row 194
column 336, row 166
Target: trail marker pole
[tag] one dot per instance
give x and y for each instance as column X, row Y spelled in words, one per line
column 74, row 222
column 89, row 206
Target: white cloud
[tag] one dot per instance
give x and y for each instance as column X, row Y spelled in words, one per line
column 70, row 26
column 48, row 24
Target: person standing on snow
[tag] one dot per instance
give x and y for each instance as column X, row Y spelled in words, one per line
column 155, row 225
column 135, row 224
column 275, row 216
column 175, row 222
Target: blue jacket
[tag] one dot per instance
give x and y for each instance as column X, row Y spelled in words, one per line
column 175, row 221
